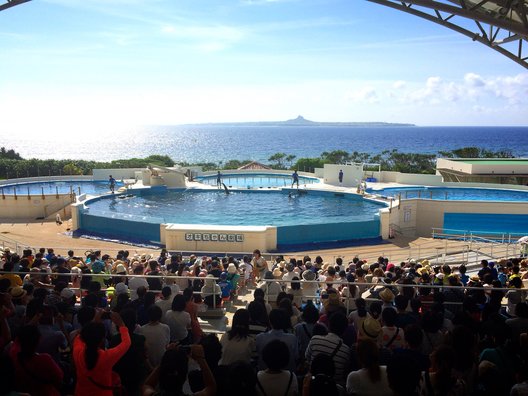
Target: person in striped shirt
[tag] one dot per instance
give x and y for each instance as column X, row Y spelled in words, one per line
column 333, row 345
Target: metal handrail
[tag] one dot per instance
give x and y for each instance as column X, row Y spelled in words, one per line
column 418, row 251
column 369, row 285
column 498, row 248
column 447, row 232
column 359, row 284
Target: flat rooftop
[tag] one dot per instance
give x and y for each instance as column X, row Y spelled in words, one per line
column 505, row 161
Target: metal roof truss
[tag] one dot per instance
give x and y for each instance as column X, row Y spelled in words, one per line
column 500, row 24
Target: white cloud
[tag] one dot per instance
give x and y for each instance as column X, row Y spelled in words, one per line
column 512, row 88
column 474, row 80
column 472, row 88
column 433, row 83
column 364, row 95
column 433, row 101
column 259, row 2
column 399, row 84
column 206, row 38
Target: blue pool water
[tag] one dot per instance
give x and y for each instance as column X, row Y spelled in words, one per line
column 256, row 180
column 272, row 208
column 454, row 193
column 62, row 187
column 493, row 225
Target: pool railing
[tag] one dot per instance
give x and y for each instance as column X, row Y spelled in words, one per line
column 242, row 181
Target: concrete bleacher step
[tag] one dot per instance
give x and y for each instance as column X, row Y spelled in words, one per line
column 212, row 313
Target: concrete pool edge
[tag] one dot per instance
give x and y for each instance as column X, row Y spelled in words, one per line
column 408, row 217
column 197, row 237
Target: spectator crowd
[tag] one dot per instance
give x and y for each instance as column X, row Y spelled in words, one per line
column 129, row 325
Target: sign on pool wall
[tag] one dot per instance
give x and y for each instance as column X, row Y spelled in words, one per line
column 214, row 237
column 204, row 238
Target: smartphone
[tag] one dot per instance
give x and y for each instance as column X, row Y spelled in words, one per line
column 185, row 348
column 106, row 315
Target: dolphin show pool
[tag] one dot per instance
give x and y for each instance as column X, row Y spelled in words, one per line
column 453, row 193
column 299, row 217
column 277, row 208
column 260, row 209
column 256, row 180
column 58, row 187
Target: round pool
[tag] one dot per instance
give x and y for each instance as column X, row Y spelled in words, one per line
column 453, row 193
column 275, row 208
column 58, row 186
column 256, row 180
column 298, row 218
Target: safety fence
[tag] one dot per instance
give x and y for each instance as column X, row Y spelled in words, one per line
column 431, row 250
column 363, row 287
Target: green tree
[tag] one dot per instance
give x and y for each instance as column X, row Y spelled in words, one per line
column 336, row 157
column 289, row 159
column 408, row 162
column 71, row 169
column 476, row 152
column 9, row 154
column 235, row 164
column 359, row 157
column 277, row 160
column 308, row 164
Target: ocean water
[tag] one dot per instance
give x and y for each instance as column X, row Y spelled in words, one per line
column 222, row 143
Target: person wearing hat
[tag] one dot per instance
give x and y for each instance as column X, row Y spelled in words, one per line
column 121, row 288
column 76, row 279
column 233, row 277
column 120, row 271
column 387, row 296
column 247, row 272
column 61, row 268
column 17, row 293
column 308, row 287
column 332, row 302
column 289, row 274
column 14, row 279
column 99, row 267
column 211, row 292
column 260, row 264
column 119, row 268
column 271, row 287
column 225, row 286
column 19, row 298
column 137, row 282
column 370, row 329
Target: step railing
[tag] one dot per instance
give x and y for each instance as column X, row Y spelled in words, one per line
column 496, row 245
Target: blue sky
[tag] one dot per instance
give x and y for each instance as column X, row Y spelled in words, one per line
column 129, row 62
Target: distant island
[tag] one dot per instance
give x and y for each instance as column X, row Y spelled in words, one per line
column 301, row 121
